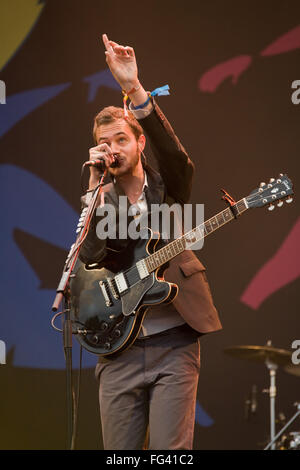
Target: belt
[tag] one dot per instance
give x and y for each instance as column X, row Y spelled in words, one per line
column 177, row 329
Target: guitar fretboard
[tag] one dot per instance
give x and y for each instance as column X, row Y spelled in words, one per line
column 177, row 246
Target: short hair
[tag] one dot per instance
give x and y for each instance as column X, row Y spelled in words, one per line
column 113, row 113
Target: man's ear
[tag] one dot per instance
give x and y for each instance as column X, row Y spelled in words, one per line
column 141, row 142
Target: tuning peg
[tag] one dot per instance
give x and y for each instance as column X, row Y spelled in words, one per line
column 272, row 180
column 289, row 200
column 271, row 207
column 261, row 186
column 280, row 176
column 279, row 203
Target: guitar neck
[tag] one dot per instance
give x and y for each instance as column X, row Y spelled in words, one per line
column 195, row 235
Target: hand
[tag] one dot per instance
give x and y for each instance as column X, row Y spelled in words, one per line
column 102, row 151
column 122, row 63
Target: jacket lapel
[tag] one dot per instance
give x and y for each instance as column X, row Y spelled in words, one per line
column 155, row 190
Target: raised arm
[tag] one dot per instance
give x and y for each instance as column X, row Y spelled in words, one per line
column 122, row 63
column 175, row 166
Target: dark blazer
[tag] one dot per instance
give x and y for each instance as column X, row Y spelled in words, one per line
column 172, row 184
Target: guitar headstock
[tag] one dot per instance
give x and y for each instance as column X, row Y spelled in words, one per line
column 279, row 189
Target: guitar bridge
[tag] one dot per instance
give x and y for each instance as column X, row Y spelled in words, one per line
column 103, row 287
column 113, row 287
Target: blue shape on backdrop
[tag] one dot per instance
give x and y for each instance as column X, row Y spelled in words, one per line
column 30, row 204
column 202, row 418
column 21, row 104
column 103, row 78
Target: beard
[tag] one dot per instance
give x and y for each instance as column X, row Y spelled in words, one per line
column 126, row 167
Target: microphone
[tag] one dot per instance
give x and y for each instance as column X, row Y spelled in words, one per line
column 100, row 163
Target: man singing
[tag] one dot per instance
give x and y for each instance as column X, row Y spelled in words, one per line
column 150, row 388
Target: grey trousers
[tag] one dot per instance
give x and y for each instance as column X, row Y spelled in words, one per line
column 150, row 390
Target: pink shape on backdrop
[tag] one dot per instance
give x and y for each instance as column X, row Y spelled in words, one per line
column 288, row 42
column 280, row 270
column 211, row 79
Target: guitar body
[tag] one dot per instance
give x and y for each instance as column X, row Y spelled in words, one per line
column 110, row 322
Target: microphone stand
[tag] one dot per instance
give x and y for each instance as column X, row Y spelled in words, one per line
column 63, row 294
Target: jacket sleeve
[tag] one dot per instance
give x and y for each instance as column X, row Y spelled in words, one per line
column 174, row 164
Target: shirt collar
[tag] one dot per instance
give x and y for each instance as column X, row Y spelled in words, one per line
column 145, row 185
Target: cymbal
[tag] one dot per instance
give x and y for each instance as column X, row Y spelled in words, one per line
column 292, row 369
column 280, row 357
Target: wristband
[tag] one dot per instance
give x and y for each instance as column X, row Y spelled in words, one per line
column 141, row 106
column 163, row 90
column 133, row 90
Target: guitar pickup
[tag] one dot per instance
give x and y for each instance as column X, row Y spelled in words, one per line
column 103, row 287
column 121, row 283
column 142, row 269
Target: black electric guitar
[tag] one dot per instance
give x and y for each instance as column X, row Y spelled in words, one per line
column 109, row 305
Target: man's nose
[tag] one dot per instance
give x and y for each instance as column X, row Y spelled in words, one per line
column 115, row 148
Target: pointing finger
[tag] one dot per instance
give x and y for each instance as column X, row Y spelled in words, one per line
column 113, row 43
column 107, row 44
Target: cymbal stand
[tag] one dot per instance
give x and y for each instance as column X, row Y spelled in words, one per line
column 272, row 442
column 272, row 393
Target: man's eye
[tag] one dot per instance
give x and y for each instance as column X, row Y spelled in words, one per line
column 122, row 139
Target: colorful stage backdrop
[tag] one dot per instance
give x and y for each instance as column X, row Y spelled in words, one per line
column 230, row 67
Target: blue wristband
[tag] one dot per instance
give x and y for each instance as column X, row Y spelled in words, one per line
column 141, row 106
column 163, row 90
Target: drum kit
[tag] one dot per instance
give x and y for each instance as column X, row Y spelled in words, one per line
column 273, row 358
